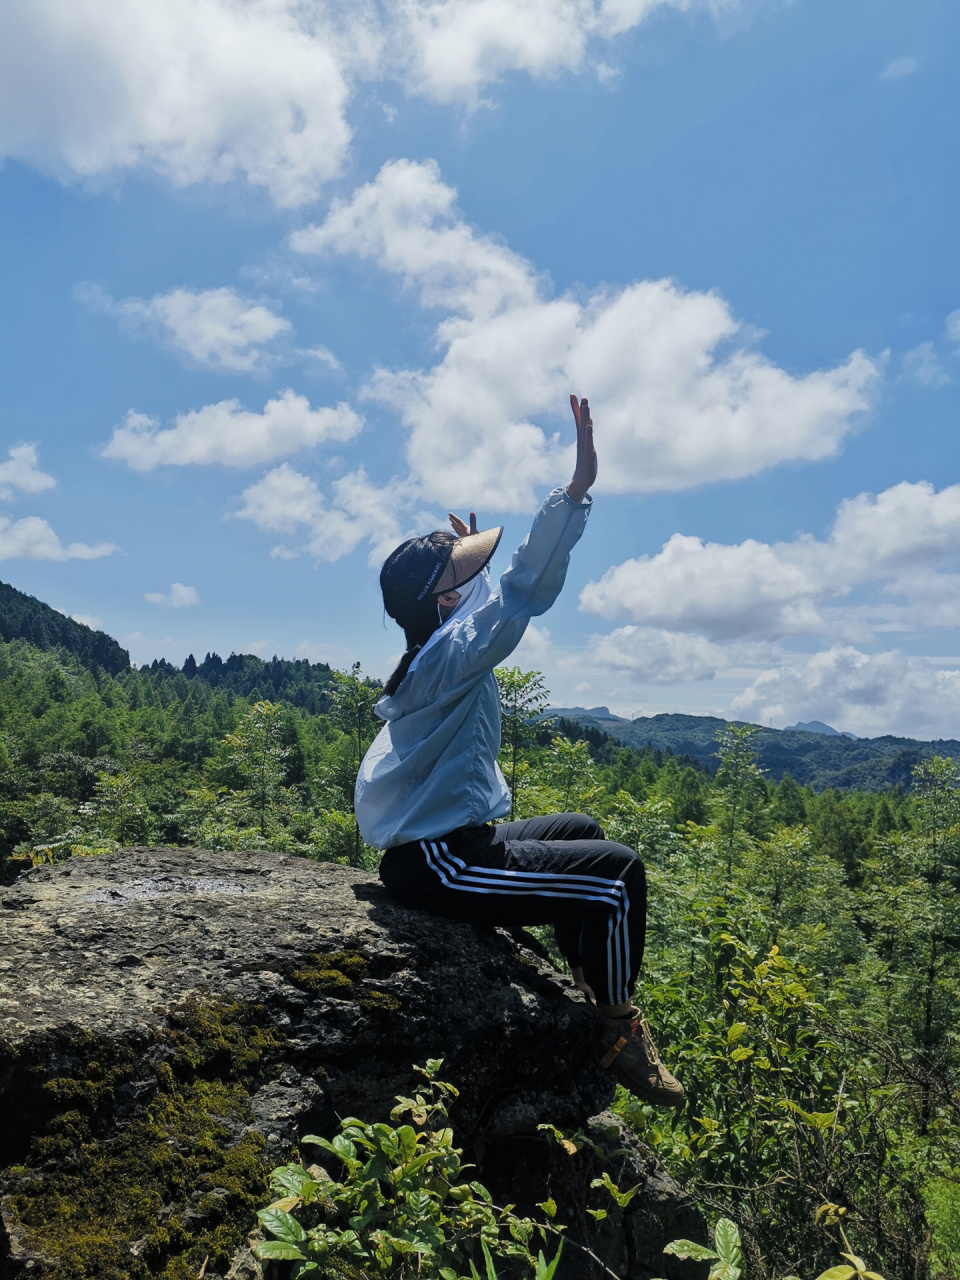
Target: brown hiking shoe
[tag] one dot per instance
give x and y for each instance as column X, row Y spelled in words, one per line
column 633, row 1058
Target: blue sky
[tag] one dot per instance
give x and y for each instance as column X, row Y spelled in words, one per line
column 284, row 283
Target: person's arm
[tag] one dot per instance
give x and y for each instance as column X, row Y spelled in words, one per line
column 536, row 574
column 585, row 472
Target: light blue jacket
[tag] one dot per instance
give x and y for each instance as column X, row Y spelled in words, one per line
column 433, row 765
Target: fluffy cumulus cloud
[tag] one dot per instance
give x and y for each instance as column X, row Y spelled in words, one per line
column 259, row 89
column 22, row 473
column 178, row 597
column 900, row 541
column 290, row 503
column 227, row 433
column 196, row 89
column 33, row 539
column 214, row 328
column 653, row 655
column 866, row 694
column 683, row 396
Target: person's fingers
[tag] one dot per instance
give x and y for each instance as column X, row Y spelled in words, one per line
column 459, row 528
column 585, row 412
column 473, row 522
column 575, row 406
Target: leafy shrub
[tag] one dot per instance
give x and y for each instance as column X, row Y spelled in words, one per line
column 401, row 1208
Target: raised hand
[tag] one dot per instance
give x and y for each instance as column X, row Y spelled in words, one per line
column 585, row 471
column 459, row 528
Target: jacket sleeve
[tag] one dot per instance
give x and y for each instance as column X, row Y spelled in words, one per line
column 527, row 589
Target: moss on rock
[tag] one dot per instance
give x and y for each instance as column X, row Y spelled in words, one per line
column 332, row 975
column 178, row 1183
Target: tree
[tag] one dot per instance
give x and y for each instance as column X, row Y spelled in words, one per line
column 572, row 775
column 789, row 809
column 740, row 783
column 120, row 808
column 688, row 803
column 257, row 753
column 523, row 699
column 352, row 700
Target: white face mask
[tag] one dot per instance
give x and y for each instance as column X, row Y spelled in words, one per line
column 476, row 593
column 473, row 596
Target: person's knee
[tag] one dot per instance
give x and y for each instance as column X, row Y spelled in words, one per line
column 584, row 827
column 632, row 869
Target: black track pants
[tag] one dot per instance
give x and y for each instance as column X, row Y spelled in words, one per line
column 557, row 870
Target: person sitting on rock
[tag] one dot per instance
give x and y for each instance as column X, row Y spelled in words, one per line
column 429, row 787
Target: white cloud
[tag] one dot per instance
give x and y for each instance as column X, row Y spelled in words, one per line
column 228, row 434
column 897, row 68
column 215, row 328
column 212, row 90
column 921, row 365
column 20, row 471
column 534, row 651
column 679, row 395
column 178, row 597
column 287, row 502
column 453, row 48
column 867, row 694
column 897, row 539
column 196, row 89
column 650, row 654
column 33, row 539
column 323, row 355
column 332, row 654
column 88, row 620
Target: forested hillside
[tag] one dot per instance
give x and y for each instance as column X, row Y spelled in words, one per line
column 803, row 970
column 23, row 617
column 820, row 759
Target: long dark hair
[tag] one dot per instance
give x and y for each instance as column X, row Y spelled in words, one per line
column 401, row 580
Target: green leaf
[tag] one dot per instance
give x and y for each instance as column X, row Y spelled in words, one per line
column 741, row 1052
column 286, row 1203
column 282, row 1225
column 726, row 1237
column 599, row 1214
column 724, row 1271
column 549, row 1206
column 407, row 1141
column 279, row 1251
column 852, row 1258
column 837, row 1273
column 544, row 1270
column 688, row 1249
column 491, row 1269
column 735, row 1032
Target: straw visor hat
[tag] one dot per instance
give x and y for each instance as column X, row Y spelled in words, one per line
column 468, row 555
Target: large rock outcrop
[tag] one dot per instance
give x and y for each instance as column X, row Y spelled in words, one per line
column 172, row 1019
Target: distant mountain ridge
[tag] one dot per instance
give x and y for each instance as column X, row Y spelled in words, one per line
column 824, row 760
column 817, row 726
